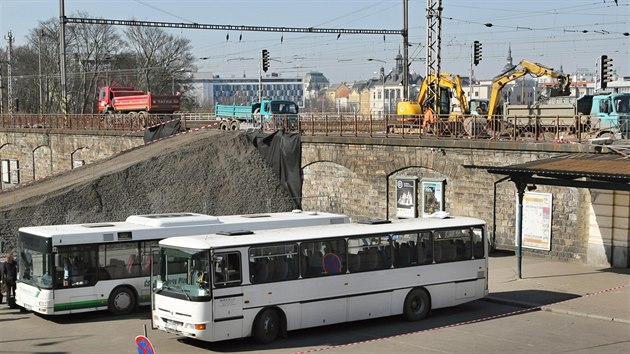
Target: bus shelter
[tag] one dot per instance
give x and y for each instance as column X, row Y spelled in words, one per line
column 610, row 171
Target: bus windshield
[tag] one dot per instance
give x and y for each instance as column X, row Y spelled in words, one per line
column 35, row 261
column 183, row 273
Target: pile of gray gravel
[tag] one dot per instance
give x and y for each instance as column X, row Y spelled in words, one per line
column 207, row 171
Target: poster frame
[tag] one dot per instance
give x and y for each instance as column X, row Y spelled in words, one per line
column 407, row 197
column 538, row 215
column 438, row 185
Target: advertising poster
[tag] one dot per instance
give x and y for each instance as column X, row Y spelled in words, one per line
column 15, row 172
column 4, row 167
column 406, row 199
column 432, row 196
column 537, row 212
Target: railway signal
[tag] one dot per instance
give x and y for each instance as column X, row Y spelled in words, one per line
column 476, row 52
column 605, row 70
column 265, row 60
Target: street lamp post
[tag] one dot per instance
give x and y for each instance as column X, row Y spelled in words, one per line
column 72, row 155
column 382, row 73
column 383, row 82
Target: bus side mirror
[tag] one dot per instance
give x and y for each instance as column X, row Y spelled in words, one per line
column 57, row 260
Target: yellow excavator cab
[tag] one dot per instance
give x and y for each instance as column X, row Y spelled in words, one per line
column 408, row 108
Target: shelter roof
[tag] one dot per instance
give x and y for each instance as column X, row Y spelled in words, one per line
column 582, row 170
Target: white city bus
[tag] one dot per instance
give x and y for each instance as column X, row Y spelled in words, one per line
column 265, row 283
column 88, row 267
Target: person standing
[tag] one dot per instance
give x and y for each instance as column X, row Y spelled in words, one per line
column 9, row 275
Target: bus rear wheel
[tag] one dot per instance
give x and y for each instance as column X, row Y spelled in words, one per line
column 121, row 301
column 267, row 326
column 417, row 305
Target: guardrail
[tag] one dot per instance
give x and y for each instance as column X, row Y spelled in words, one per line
column 516, row 128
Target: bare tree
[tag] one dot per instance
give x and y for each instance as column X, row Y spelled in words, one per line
column 92, row 47
column 163, row 58
column 96, row 55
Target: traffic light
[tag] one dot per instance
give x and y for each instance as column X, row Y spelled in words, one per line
column 476, row 52
column 605, row 71
column 265, row 60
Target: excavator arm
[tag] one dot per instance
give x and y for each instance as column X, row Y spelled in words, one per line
column 525, row 67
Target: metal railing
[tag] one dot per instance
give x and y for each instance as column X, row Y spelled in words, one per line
column 512, row 128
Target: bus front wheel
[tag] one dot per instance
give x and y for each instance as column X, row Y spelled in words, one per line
column 121, row 301
column 267, row 326
column 417, row 305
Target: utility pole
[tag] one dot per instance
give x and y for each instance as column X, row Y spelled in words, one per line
column 470, row 81
column 10, row 98
column 39, row 50
column 434, row 40
column 62, row 60
column 405, row 34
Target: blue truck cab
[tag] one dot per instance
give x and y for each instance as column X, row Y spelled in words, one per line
column 610, row 113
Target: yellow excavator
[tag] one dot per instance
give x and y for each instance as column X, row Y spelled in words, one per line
column 410, row 109
column 523, row 68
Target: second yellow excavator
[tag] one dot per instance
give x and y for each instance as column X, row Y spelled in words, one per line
column 523, row 68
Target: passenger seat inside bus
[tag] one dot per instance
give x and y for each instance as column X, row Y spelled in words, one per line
column 315, row 264
column 261, row 272
column 354, row 262
column 116, row 268
column 404, row 255
column 279, row 269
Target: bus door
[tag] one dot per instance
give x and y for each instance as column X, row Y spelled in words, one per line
column 227, row 299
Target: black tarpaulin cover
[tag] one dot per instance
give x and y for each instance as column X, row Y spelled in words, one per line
column 163, row 131
column 283, row 152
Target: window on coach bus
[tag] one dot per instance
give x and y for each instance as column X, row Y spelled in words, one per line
column 478, row 243
column 322, row 257
column 414, row 248
column 452, row 245
column 369, row 253
column 227, row 269
column 145, row 258
column 120, row 260
column 76, row 266
column 273, row 263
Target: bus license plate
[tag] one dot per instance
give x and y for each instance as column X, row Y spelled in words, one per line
column 171, row 326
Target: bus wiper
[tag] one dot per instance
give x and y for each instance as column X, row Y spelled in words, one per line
column 184, row 291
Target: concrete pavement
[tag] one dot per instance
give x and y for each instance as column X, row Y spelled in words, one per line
column 571, row 288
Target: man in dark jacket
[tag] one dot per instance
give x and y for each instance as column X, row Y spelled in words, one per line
column 9, row 276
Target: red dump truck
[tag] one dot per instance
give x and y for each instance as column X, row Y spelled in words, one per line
column 126, row 99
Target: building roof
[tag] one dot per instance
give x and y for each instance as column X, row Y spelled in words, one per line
column 582, row 170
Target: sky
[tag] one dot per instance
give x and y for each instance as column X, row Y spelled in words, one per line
column 567, row 34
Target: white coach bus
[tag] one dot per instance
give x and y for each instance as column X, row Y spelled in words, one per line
column 98, row 266
column 265, row 283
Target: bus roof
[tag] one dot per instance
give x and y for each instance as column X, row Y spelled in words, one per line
column 215, row 241
column 158, row 226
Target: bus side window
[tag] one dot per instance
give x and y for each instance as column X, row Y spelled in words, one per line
column 273, row 263
column 478, row 241
column 227, row 268
column 425, row 249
